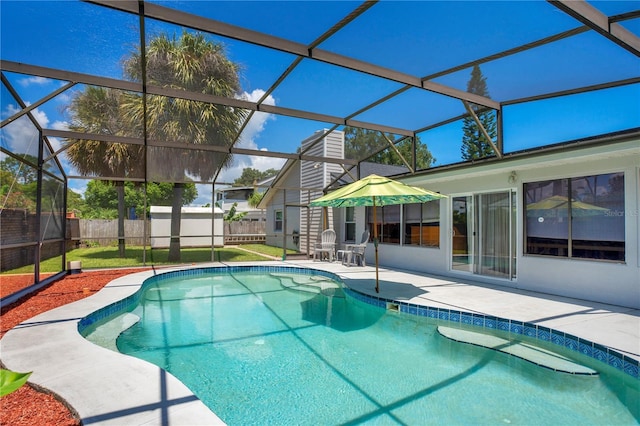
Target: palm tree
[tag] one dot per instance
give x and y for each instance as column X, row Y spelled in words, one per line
column 255, row 198
column 190, row 62
column 97, row 110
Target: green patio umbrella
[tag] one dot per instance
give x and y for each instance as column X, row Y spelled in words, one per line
column 375, row 191
column 558, row 204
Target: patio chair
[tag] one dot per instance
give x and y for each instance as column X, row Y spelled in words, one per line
column 355, row 252
column 326, row 245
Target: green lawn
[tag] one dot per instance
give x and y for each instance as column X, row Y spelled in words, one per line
column 107, row 257
column 268, row 250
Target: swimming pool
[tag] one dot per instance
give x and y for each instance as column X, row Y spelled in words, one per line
column 258, row 348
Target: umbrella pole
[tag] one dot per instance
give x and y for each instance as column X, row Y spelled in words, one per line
column 375, row 240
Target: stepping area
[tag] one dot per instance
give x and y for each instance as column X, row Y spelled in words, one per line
column 526, row 351
column 309, row 283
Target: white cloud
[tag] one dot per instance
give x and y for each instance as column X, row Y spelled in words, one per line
column 204, row 195
column 79, row 186
column 39, row 115
column 41, row 118
column 56, row 144
column 60, row 125
column 255, row 162
column 258, row 120
column 64, row 98
column 250, row 140
column 22, row 131
column 41, row 81
column 21, row 135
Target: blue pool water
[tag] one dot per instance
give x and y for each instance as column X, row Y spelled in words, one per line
column 264, row 349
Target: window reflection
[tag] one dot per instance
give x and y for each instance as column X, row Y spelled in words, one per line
column 597, row 217
column 277, row 225
column 578, row 217
column 420, row 222
column 350, row 225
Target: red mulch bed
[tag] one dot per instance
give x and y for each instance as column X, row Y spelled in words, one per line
column 29, row 406
column 13, row 283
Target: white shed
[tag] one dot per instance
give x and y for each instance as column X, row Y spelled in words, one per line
column 195, row 227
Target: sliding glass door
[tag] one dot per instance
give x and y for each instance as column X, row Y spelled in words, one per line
column 483, row 234
column 462, row 245
column 495, row 234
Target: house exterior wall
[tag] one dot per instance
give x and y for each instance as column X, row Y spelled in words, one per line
column 300, row 184
column 277, row 203
column 315, row 176
column 604, row 281
column 595, row 280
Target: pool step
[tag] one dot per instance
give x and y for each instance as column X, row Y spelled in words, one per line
column 309, row 283
column 526, row 351
column 105, row 335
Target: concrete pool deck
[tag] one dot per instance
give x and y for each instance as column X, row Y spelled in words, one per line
column 105, row 387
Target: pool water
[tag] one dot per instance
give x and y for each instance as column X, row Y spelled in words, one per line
column 261, row 349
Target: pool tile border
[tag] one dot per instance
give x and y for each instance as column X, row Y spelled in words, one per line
column 620, row 362
column 124, row 304
column 593, row 350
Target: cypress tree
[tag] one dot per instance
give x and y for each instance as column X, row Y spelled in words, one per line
column 474, row 144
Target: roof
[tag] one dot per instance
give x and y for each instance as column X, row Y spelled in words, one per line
column 368, row 168
column 276, row 184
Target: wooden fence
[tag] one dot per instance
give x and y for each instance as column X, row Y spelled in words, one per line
column 102, row 232
column 245, row 232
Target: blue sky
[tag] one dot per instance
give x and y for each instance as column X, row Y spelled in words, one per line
column 417, row 38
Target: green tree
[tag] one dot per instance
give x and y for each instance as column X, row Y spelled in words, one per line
column 98, row 110
column 101, row 194
column 18, row 184
column 101, row 197
column 158, row 194
column 21, row 172
column 194, row 63
column 189, row 62
column 474, row 143
column 75, row 202
column 255, row 198
column 18, row 200
column 250, row 175
column 360, row 143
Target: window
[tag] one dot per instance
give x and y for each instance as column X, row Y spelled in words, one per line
column 277, row 225
column 388, row 223
column 579, row 217
column 349, row 225
column 422, row 224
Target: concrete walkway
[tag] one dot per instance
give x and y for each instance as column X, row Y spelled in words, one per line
column 106, row 387
column 613, row 326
